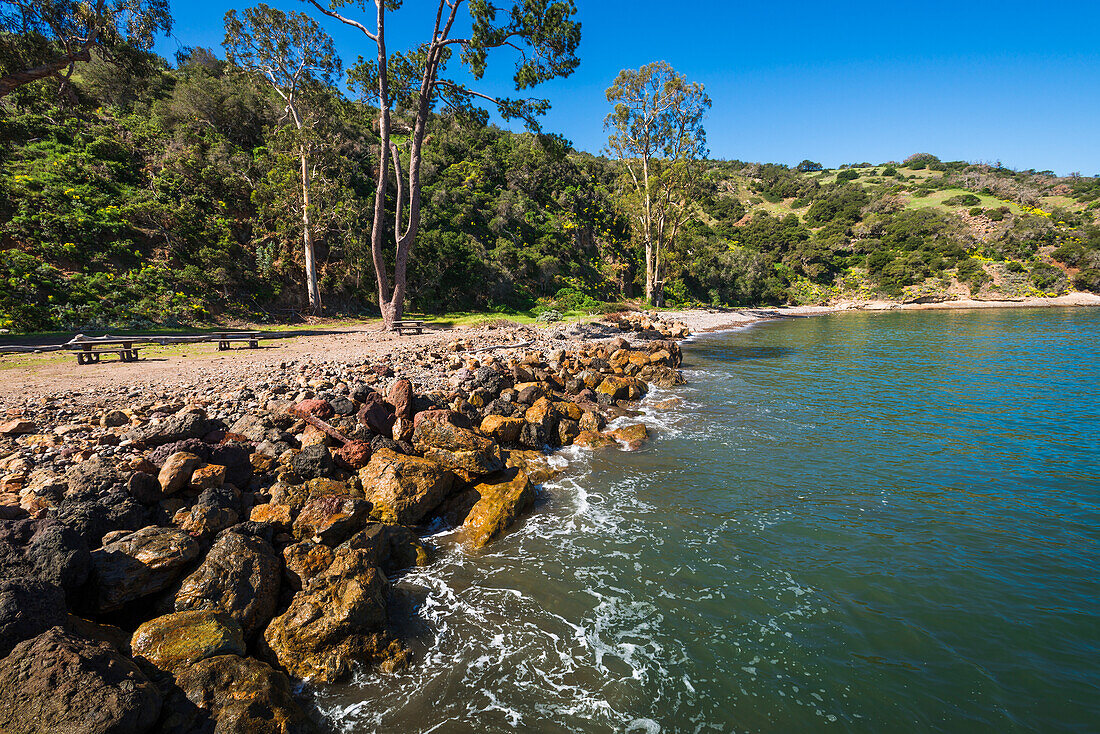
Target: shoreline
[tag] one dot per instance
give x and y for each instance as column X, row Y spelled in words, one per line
column 705, row 320
column 204, row 536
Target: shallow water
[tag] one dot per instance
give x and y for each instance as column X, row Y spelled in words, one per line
column 858, row 522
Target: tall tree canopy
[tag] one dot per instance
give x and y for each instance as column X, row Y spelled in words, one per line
column 41, row 38
column 292, row 54
column 656, row 131
column 541, row 32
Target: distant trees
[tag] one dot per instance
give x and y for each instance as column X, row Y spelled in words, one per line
column 43, row 38
column 808, row 166
column 656, row 132
column 291, row 53
column 544, row 34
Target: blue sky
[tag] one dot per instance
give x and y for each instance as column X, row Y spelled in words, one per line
column 838, row 82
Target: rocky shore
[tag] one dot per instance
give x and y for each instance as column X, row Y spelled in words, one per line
column 177, row 559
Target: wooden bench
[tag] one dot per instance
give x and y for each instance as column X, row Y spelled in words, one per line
column 89, row 350
column 226, row 339
column 415, row 327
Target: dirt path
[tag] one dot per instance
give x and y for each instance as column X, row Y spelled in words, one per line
column 26, row 375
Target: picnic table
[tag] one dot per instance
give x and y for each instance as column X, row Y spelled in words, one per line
column 226, row 339
column 90, row 349
column 416, row 327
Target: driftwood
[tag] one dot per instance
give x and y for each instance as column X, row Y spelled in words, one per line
column 326, row 428
column 517, row 345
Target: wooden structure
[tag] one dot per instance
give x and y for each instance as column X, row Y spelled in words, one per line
column 226, row 339
column 415, row 327
column 90, row 349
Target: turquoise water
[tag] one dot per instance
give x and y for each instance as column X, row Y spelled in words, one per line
column 860, row 522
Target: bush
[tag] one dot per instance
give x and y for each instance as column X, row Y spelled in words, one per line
column 997, row 215
column 976, row 211
column 1088, row 280
column 889, row 171
column 808, row 166
column 1046, row 277
column 962, row 200
column 1015, row 266
column 850, row 175
column 549, row 316
column 918, row 161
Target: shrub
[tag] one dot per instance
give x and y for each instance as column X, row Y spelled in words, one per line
column 1046, row 277
column 849, row 175
column 962, row 200
column 918, row 161
column 996, row 215
column 808, row 166
column 1088, row 280
column 549, row 316
column 889, row 171
column 1015, row 266
column 976, row 211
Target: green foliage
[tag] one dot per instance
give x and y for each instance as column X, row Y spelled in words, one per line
column 850, row 174
column 962, row 200
column 808, row 166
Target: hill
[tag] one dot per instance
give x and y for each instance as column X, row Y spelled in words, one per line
column 151, row 195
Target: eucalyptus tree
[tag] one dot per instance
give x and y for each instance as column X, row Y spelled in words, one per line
column 44, row 38
column 293, row 55
column 656, row 132
column 412, row 85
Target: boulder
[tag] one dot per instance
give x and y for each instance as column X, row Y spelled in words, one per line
column 295, row 496
column 401, row 398
column 174, row 641
column 60, row 556
column 95, row 516
column 390, row 547
column 632, row 437
column 230, row 694
column 144, row 488
column 17, row 428
column 404, row 489
column 179, row 427
column 493, row 506
column 240, row 576
column 330, row 518
column 315, row 407
column 28, row 607
column 176, row 472
column 274, row 514
column 593, row 440
column 545, row 417
column 313, row 462
column 195, row 446
column 376, row 415
column 500, row 428
column 459, row 449
column 215, row 510
column 533, row 436
column 335, row 622
column 305, row 561
column 61, row 682
column 208, row 477
column 617, row 388
column 567, row 431
column 139, row 564
column 353, row 455
column 535, row 464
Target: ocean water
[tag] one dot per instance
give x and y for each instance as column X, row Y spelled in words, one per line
column 858, row 522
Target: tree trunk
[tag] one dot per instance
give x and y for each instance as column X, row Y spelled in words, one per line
column 13, row 81
column 307, row 238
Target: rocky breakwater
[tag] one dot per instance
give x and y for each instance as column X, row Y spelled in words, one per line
column 169, row 567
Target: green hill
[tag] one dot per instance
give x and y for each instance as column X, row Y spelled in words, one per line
column 165, row 196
